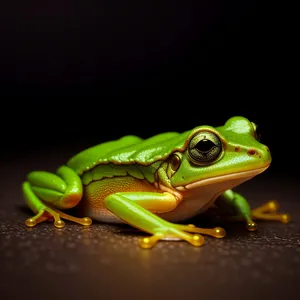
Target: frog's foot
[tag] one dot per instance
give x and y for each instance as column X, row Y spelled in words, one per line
column 181, row 232
column 171, row 234
column 47, row 213
column 269, row 211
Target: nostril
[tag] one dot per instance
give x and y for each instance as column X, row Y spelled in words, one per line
column 252, row 152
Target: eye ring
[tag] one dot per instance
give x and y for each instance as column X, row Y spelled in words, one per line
column 205, row 147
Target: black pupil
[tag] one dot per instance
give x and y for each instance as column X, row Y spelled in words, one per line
column 205, row 145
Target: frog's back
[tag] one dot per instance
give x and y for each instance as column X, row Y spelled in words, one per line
column 128, row 150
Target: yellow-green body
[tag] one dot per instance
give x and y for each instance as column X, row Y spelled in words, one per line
column 152, row 182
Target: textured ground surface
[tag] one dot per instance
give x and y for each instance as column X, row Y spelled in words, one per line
column 104, row 262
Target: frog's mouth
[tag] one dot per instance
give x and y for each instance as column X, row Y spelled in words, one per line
column 234, row 178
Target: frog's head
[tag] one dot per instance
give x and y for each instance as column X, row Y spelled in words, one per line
column 224, row 156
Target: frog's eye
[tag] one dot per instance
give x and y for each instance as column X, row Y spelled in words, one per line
column 205, row 147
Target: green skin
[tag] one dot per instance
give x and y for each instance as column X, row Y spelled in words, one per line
column 189, row 172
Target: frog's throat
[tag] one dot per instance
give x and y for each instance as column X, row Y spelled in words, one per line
column 237, row 177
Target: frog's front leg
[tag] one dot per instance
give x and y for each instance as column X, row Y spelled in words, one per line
column 241, row 210
column 45, row 192
column 138, row 209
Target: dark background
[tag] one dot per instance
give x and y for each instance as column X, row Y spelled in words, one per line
column 79, row 74
column 73, row 75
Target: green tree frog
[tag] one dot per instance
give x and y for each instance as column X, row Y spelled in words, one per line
column 156, row 184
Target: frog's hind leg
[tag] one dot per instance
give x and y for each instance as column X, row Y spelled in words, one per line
column 45, row 192
column 269, row 211
column 43, row 212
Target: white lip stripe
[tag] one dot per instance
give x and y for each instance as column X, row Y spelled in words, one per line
column 216, row 179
